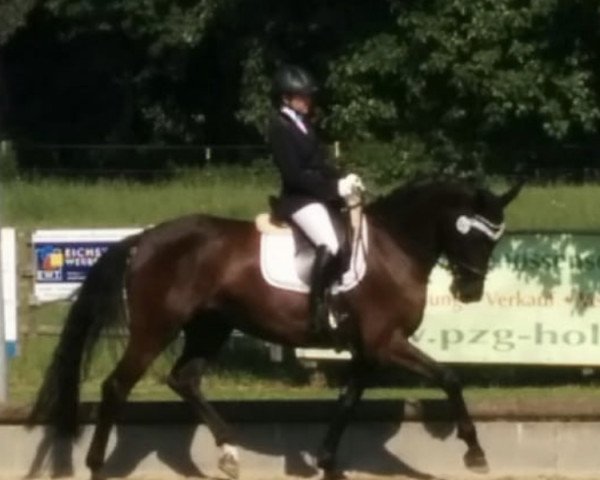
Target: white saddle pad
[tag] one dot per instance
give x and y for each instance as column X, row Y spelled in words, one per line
column 281, row 268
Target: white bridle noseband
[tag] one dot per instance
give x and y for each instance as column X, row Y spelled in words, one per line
column 493, row 231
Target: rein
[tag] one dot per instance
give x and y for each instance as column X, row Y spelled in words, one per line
column 355, row 207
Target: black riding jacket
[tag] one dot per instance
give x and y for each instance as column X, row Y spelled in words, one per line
column 306, row 174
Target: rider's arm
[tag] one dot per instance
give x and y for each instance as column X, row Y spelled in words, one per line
column 301, row 179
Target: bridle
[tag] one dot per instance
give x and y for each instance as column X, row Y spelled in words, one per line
column 464, row 225
column 457, row 267
column 456, row 272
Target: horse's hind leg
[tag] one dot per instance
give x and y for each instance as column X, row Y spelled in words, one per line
column 115, row 389
column 400, row 352
column 204, row 337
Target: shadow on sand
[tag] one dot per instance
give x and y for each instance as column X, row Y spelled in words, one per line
column 174, row 446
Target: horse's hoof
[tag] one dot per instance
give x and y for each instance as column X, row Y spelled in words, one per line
column 229, row 466
column 334, row 475
column 95, row 467
column 476, row 462
column 309, row 463
column 96, row 475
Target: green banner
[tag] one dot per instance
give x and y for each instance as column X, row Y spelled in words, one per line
column 541, row 306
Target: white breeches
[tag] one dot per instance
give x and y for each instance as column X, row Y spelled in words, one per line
column 315, row 222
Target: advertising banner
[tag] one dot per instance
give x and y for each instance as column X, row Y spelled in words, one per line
column 541, row 306
column 62, row 258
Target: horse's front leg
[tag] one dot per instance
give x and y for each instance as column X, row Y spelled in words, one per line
column 402, row 353
column 347, row 401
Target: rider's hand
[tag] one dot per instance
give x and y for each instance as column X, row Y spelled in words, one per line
column 350, row 185
column 356, row 183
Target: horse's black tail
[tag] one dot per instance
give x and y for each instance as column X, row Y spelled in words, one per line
column 99, row 302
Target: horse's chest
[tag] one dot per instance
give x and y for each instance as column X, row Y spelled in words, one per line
column 391, row 308
column 407, row 301
column 411, row 309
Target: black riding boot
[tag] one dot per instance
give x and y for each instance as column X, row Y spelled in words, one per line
column 323, row 273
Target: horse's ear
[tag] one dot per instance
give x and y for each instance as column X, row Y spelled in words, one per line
column 511, row 194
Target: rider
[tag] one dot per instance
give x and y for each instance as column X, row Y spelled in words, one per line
column 312, row 189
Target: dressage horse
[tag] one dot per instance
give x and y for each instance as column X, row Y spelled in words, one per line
column 201, row 275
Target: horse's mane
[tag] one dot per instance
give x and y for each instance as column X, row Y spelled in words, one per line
column 417, row 188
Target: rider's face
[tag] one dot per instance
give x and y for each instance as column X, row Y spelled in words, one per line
column 300, row 103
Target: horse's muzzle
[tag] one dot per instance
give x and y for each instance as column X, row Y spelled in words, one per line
column 467, row 291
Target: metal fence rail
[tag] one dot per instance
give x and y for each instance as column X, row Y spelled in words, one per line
column 159, row 161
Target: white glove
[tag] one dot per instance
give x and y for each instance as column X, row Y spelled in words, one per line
column 349, row 185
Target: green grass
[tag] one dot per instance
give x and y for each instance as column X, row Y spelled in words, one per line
column 257, row 381
column 114, row 203
column 236, row 192
column 557, row 207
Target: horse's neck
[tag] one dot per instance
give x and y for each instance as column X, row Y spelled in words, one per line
column 414, row 236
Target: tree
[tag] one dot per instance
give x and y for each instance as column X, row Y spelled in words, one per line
column 12, row 16
column 454, row 84
column 147, row 46
column 187, row 71
column 471, row 80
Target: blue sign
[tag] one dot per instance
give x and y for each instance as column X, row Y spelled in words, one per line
column 63, row 258
column 12, row 349
column 66, row 262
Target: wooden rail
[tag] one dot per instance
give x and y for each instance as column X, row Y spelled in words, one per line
column 294, row 411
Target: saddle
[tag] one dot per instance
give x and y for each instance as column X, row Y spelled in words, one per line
column 287, row 255
column 271, row 223
column 267, row 223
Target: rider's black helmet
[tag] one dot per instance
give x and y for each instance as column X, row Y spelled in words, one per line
column 290, row 80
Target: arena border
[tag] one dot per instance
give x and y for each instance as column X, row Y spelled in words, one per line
column 388, row 437
column 294, row 411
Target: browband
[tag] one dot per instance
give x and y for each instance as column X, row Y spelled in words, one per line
column 493, row 231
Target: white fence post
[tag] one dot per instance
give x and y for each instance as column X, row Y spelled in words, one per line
column 207, row 156
column 3, row 353
column 3, row 344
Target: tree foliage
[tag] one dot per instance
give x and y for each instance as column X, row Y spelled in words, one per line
column 463, row 79
column 438, row 83
column 12, row 16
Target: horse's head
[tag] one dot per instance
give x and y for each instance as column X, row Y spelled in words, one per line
column 470, row 229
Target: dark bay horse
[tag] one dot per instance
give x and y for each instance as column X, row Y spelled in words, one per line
column 201, row 274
